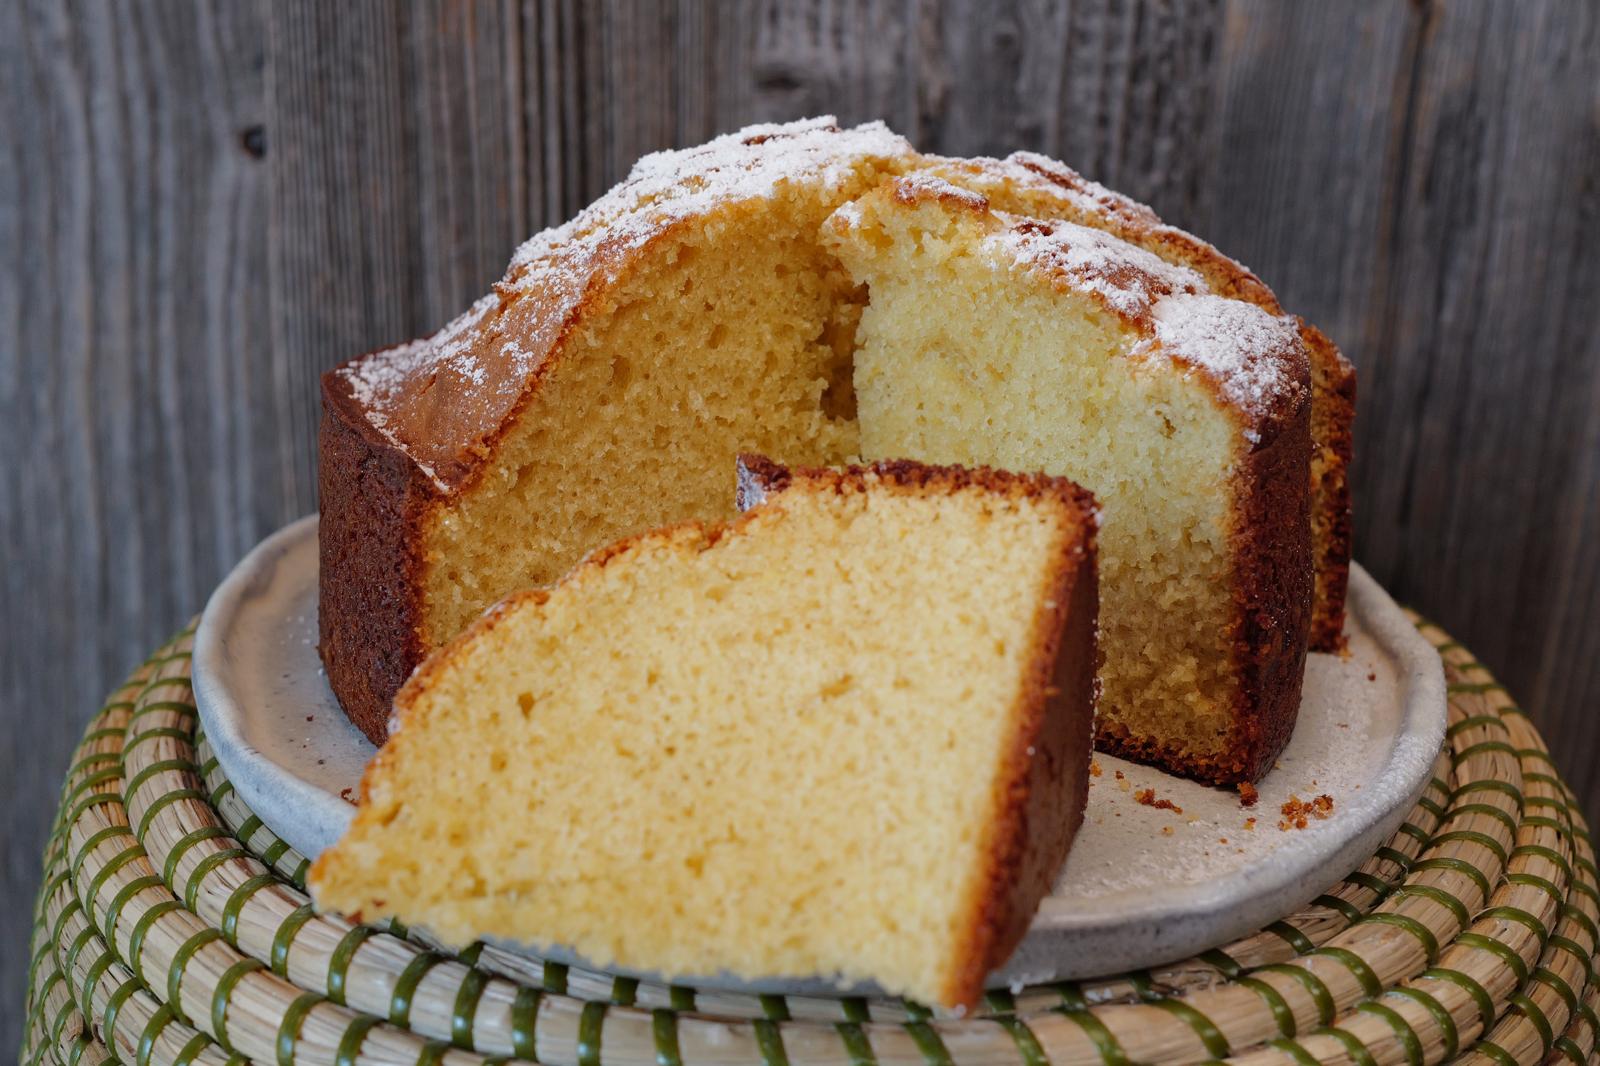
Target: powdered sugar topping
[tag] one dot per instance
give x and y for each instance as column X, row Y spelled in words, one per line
column 1237, row 344
column 920, row 186
column 1128, row 279
column 1255, row 358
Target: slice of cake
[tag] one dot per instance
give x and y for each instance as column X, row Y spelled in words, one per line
column 1027, row 183
column 1000, row 340
column 847, row 732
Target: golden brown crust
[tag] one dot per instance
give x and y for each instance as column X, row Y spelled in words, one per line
column 369, row 612
column 773, row 477
column 1333, row 413
column 1272, row 585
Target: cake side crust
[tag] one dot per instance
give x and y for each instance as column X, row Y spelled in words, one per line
column 1272, row 591
column 374, row 503
column 1044, row 800
column 1333, row 413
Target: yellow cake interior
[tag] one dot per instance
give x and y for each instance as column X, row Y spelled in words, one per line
column 732, row 336
column 966, row 356
column 775, row 750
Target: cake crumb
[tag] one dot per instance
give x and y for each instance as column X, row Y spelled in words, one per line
column 1344, row 725
column 1147, row 796
column 1250, row 824
column 1094, row 768
column 347, row 794
column 1372, row 675
column 1222, row 840
column 1297, row 812
column 1248, row 794
column 1166, row 830
column 1120, row 776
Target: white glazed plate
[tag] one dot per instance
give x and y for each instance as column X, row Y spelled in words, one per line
column 1144, row 884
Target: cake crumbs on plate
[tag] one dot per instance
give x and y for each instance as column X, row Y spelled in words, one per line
column 1094, row 768
column 1297, row 812
column 1147, row 796
column 1166, row 830
column 1250, row 824
column 1248, row 794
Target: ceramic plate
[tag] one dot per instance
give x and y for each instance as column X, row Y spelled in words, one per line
column 1144, row 884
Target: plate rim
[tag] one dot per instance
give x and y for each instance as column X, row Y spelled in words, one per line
column 222, row 718
column 1214, row 912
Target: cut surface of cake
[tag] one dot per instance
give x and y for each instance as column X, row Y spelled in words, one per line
column 845, row 733
column 1004, row 340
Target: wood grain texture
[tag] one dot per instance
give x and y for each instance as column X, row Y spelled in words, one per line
column 203, row 205
column 137, row 387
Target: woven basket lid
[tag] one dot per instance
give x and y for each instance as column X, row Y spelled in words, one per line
column 173, row 927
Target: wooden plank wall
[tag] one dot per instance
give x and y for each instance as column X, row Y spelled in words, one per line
column 205, row 204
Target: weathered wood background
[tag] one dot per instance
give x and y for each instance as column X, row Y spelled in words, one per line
column 203, row 205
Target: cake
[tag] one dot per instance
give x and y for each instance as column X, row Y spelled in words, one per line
column 692, row 313
column 844, row 733
column 1005, row 340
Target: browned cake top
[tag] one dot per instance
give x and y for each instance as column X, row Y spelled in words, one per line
column 1256, row 361
column 443, row 400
